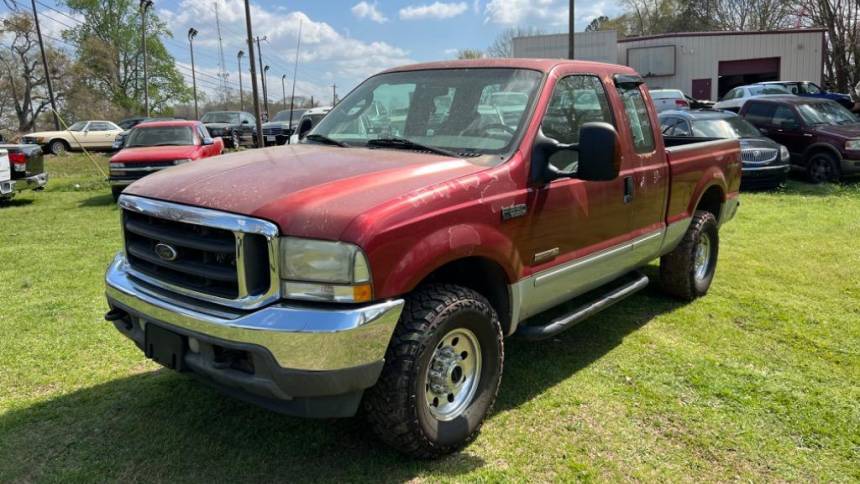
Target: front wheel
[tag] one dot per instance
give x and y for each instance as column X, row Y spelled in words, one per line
column 441, row 375
column 235, row 140
column 58, row 147
column 822, row 168
column 687, row 271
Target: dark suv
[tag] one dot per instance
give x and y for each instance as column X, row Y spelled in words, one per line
column 822, row 136
column 235, row 127
column 765, row 163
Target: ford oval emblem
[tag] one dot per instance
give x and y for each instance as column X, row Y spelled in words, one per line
column 165, row 252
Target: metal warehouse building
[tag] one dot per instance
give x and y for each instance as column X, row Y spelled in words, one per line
column 704, row 65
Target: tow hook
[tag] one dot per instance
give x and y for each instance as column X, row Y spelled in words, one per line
column 118, row 315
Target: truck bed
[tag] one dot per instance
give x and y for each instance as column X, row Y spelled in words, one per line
column 693, row 164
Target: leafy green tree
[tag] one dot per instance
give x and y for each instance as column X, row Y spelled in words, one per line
column 108, row 43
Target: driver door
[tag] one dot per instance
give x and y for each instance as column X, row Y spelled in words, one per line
column 579, row 229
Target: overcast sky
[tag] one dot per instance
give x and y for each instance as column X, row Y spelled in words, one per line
column 344, row 41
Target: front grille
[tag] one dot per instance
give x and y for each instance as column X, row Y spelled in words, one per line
column 274, row 131
column 178, row 249
column 759, row 155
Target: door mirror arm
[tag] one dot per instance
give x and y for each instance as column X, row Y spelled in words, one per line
column 542, row 171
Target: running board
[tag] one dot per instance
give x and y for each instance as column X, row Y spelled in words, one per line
column 535, row 333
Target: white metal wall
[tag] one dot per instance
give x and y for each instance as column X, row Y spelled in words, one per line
column 698, row 57
column 594, row 46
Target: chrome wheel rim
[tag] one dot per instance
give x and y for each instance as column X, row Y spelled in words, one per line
column 58, row 148
column 702, row 257
column 235, row 140
column 453, row 374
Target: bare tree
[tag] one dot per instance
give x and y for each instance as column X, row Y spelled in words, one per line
column 469, row 54
column 503, row 46
column 23, row 74
column 841, row 19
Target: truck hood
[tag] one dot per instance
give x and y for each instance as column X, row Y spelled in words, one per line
column 847, row 131
column 154, row 153
column 308, row 190
column 46, row 134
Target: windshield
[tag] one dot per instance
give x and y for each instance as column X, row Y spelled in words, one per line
column 227, row 118
column 728, row 128
column 769, row 89
column 826, row 113
column 285, row 115
column 79, row 126
column 467, row 111
column 161, row 136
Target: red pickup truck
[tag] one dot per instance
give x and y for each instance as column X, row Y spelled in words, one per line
column 155, row 145
column 385, row 269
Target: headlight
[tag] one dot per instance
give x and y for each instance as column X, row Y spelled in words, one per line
column 40, row 139
column 324, row 271
column 853, row 144
column 179, row 162
column 784, row 155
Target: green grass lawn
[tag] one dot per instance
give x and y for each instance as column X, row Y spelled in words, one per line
column 758, row 381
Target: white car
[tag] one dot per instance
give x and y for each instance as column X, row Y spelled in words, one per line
column 735, row 99
column 6, row 185
column 669, row 99
column 312, row 116
column 91, row 135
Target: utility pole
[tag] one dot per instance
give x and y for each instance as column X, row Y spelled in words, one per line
column 295, row 73
column 284, row 91
column 192, row 32
column 222, row 65
column 47, row 72
column 260, row 58
column 253, row 73
column 144, row 6
column 265, row 92
column 333, row 94
column 571, row 31
column 241, row 93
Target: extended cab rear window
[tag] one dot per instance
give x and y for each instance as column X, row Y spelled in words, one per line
column 637, row 118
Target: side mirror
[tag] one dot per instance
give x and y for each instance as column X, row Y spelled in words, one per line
column 598, row 152
column 595, row 156
column 245, row 121
column 208, row 141
column 305, row 128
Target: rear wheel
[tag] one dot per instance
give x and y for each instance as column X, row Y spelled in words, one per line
column 687, row 271
column 58, row 147
column 822, row 168
column 235, row 140
column 442, row 372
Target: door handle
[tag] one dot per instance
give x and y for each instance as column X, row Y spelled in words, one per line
column 628, row 189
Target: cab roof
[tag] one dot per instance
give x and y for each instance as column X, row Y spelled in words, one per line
column 694, row 114
column 168, row 123
column 542, row 65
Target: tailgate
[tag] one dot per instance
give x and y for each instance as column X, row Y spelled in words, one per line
column 696, row 166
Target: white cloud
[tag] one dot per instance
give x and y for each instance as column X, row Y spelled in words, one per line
column 350, row 58
column 543, row 13
column 516, row 12
column 369, row 11
column 437, row 10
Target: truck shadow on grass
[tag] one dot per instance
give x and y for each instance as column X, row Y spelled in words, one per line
column 158, row 425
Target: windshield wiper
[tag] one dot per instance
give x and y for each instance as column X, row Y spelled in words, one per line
column 407, row 144
column 321, row 138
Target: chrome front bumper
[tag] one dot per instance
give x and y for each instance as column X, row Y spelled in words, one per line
column 300, row 337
